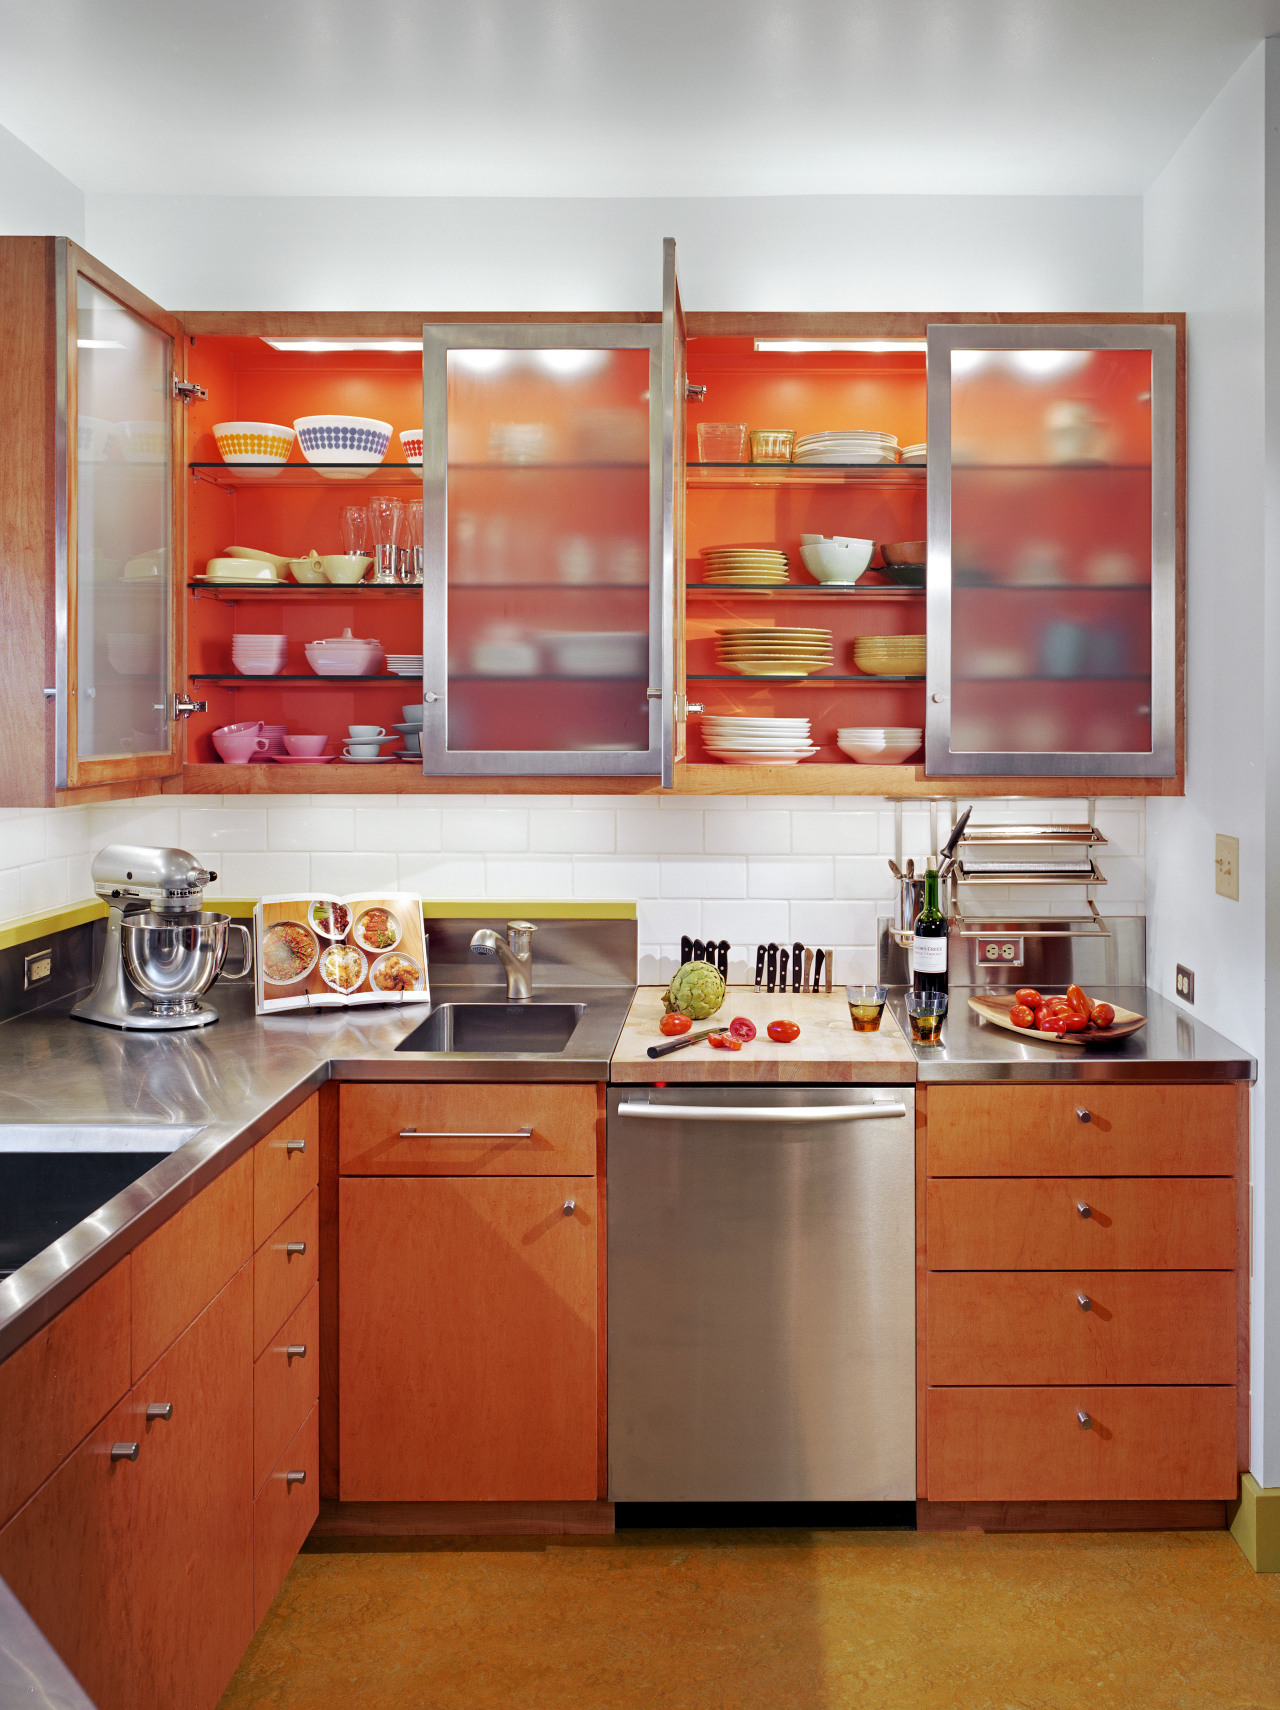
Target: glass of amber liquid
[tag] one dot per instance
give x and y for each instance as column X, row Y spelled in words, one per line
column 926, row 1010
column 866, row 1005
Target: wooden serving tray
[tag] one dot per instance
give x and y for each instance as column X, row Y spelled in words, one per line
column 996, row 1009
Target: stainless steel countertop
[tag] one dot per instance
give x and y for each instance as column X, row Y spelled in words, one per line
column 238, row 1079
column 32, row 1674
column 1173, row 1046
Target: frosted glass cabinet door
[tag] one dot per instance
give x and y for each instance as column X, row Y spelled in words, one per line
column 1052, row 550
column 120, row 539
column 542, row 489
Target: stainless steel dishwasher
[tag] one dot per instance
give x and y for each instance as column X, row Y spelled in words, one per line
column 761, row 1268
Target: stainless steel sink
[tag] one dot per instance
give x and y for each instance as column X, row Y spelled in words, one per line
column 471, row 1027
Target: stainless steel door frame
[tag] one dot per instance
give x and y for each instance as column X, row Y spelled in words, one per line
column 674, row 381
column 761, row 1295
column 1161, row 760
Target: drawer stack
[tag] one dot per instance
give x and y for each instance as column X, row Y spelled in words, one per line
column 1081, row 1253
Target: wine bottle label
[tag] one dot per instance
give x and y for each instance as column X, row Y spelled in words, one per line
column 928, row 955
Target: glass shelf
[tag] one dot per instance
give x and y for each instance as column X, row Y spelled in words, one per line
column 239, row 680
column 960, row 587
column 803, row 682
column 796, row 591
column 804, row 474
column 222, row 590
column 234, row 475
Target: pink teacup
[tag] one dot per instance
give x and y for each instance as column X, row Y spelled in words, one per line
column 306, row 747
column 275, row 734
column 238, row 743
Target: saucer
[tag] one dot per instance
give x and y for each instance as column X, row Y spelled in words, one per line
column 302, row 759
column 369, row 759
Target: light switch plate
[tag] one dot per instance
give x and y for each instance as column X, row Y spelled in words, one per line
column 1226, row 866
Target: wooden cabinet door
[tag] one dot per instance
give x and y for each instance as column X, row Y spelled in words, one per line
column 467, row 1338
column 67, row 1556
column 486, row 1130
column 193, row 1529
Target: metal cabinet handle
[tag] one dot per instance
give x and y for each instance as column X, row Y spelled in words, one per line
column 295, row 1145
column 295, row 1478
column 454, row 1134
column 296, row 1351
column 125, row 1451
column 757, row 1113
column 1086, row 1305
column 1084, row 1115
column 159, row 1410
column 292, row 1247
column 1084, row 1210
column 569, row 1208
column 1086, row 1424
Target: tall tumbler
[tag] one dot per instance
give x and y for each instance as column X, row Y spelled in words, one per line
column 355, row 531
column 414, row 564
column 386, row 524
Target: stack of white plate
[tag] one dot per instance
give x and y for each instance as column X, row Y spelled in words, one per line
column 259, row 655
column 753, row 566
column 404, row 664
column 858, row 445
column 890, row 655
column 879, row 744
column 915, row 453
column 757, row 741
column 759, row 651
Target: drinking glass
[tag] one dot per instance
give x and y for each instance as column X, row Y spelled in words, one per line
column 386, row 524
column 413, row 569
column 926, row 1010
column 866, row 1005
column 355, row 530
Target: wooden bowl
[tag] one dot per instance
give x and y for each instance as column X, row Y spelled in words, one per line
column 903, row 551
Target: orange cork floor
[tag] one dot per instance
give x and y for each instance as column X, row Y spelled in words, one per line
column 753, row 1619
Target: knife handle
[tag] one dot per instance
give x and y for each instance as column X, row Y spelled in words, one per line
column 759, row 965
column 782, row 969
column 808, row 970
column 819, row 958
column 797, row 953
column 680, row 1043
column 686, row 951
column 827, row 966
column 772, row 966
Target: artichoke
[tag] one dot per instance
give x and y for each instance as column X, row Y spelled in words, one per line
column 697, row 991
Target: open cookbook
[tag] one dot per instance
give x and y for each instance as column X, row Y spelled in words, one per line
column 314, row 951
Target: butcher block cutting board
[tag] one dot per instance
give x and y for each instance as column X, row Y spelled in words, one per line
column 996, row 1009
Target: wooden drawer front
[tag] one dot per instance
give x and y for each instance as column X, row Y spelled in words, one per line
column 1027, row 1445
column 56, row 1387
column 284, row 1513
column 286, row 1386
column 178, row 1270
column 286, row 1166
column 1027, row 1327
column 282, row 1278
column 1035, row 1131
column 1152, row 1224
column 473, row 1130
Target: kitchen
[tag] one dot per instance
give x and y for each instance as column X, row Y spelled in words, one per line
column 783, row 861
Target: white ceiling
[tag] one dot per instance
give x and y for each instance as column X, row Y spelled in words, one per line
column 615, row 97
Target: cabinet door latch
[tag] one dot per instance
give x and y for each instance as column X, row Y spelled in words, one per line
column 184, row 706
column 187, row 390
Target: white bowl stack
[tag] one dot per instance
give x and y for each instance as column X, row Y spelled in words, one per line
column 404, row 664
column 879, row 744
column 259, row 655
column 858, row 445
column 742, row 741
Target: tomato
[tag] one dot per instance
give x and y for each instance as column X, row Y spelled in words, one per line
column 1028, row 997
column 1054, row 1006
column 726, row 1042
column 1103, row 1015
column 742, row 1029
column 1022, row 1015
column 783, row 1032
column 1080, row 1001
column 675, row 1023
column 1075, row 1023
column 1051, row 1023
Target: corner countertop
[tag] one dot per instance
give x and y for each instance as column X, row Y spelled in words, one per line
column 1173, row 1046
column 827, row 1050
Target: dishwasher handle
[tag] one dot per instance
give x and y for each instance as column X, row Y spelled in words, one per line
column 765, row 1113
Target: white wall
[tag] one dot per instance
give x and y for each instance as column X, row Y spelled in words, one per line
column 781, row 252
column 36, row 200
column 1204, row 252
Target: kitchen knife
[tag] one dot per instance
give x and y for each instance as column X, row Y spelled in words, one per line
column 782, row 969
column 699, row 950
column 773, row 966
column 808, row 969
column 828, row 967
column 797, row 952
column 680, row 1043
column 686, row 951
column 759, row 966
column 949, row 847
column 819, row 958
column 722, row 958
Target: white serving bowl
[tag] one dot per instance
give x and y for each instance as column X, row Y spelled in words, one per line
column 748, row 757
column 343, row 439
column 253, row 442
column 257, row 557
column 837, row 561
column 888, row 753
column 259, row 655
column 345, row 567
column 345, row 655
column 598, row 653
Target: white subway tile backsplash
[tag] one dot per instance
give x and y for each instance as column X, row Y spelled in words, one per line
column 864, row 876
column 22, row 840
column 45, row 885
column 758, row 832
column 642, row 831
column 746, row 924
column 222, row 828
column 311, row 828
column 354, row 872
column 704, row 876
column 263, row 874
column 398, row 830
column 661, row 922
column 444, row 877
column 66, row 831
column 826, row 923
column 572, row 831
column 835, row 833
column 488, row 830
column 602, row 878
column 528, row 876
column 801, row 876
column 155, row 820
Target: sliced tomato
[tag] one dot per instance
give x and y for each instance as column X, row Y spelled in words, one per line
column 783, row 1032
column 742, row 1029
column 1028, row 997
column 1022, row 1015
column 675, row 1023
column 1103, row 1015
column 726, row 1042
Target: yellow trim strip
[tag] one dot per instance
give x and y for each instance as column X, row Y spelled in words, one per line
column 1255, row 1524
column 25, row 927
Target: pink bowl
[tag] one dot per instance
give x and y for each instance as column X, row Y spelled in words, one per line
column 306, row 747
column 237, row 747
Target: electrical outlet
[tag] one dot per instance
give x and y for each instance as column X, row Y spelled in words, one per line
column 1184, row 983
column 37, row 968
column 1226, row 866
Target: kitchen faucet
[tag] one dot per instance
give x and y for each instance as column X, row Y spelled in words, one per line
column 515, row 952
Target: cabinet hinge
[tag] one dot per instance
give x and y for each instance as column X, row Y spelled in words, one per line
column 187, row 390
column 694, row 393
column 183, row 707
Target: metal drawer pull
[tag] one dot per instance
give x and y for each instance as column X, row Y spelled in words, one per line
column 295, row 1145
column 295, row 1478
column 1084, row 1115
column 159, row 1410
column 452, row 1134
column 292, row 1247
column 755, row 1113
column 125, row 1451
column 1086, row 1424
column 1086, row 1305
column 296, row 1351
column 1084, row 1210
column 569, row 1208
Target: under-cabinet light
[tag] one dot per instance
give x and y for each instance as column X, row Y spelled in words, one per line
column 99, row 344
column 875, row 345
column 323, row 344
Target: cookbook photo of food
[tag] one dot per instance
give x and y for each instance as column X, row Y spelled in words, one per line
column 316, row 951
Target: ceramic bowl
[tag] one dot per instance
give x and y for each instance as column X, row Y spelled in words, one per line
column 307, row 569
column 343, row 439
column 253, row 442
column 251, row 552
column 240, row 570
column 345, row 567
column 896, row 552
column 837, row 561
column 411, row 444
column 306, row 746
column 237, row 744
column 259, row 655
column 345, row 655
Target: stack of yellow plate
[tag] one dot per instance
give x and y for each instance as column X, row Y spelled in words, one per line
column 756, row 651
column 748, row 566
column 890, row 655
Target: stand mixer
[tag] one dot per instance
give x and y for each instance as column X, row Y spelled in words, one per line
column 163, row 950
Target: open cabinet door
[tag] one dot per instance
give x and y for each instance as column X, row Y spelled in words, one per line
column 119, row 556
column 673, row 458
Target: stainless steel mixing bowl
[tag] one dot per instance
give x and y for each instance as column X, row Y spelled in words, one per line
column 172, row 959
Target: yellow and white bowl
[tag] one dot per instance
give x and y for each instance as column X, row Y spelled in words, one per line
column 253, row 442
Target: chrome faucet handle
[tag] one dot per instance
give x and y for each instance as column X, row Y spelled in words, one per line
column 520, row 937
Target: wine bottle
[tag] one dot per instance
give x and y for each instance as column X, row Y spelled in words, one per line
column 929, row 940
